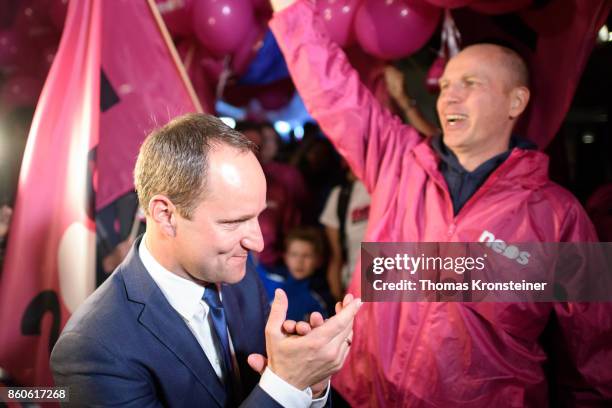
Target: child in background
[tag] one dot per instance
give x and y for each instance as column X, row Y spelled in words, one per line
column 303, row 257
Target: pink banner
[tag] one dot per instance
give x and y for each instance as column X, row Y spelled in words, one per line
column 143, row 86
column 49, row 264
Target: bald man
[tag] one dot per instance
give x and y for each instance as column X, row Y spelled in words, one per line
column 475, row 182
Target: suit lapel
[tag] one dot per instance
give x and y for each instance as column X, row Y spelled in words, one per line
column 167, row 326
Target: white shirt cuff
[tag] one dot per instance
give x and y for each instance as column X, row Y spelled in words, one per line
column 320, row 402
column 286, row 394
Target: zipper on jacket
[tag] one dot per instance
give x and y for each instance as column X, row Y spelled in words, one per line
column 485, row 187
column 452, row 227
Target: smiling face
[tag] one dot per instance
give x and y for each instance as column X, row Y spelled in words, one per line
column 213, row 245
column 479, row 101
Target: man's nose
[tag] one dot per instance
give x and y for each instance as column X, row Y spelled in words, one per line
column 451, row 94
column 253, row 240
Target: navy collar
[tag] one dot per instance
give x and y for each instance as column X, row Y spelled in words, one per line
column 462, row 184
column 448, row 157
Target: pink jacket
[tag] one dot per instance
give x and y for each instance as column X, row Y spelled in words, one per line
column 447, row 354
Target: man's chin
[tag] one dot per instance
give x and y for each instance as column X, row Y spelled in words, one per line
column 455, row 143
column 451, row 139
column 235, row 274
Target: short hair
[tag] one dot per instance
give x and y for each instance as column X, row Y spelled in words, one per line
column 173, row 159
column 513, row 61
column 516, row 66
column 312, row 235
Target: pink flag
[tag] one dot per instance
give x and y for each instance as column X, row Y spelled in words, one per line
column 143, row 85
column 49, row 264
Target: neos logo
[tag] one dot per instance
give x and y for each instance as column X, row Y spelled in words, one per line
column 500, row 246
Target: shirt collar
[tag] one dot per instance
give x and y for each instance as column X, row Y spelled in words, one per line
column 448, row 157
column 183, row 295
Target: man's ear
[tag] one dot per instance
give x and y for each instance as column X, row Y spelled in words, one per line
column 163, row 214
column 519, row 97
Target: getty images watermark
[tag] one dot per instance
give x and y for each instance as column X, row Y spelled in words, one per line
column 489, row 271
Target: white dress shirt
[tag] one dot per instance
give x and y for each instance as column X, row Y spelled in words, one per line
column 185, row 297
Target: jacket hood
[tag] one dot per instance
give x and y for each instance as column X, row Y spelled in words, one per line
column 522, row 163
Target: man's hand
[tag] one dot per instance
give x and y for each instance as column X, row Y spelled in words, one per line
column 303, row 328
column 315, row 353
column 278, row 5
column 259, row 362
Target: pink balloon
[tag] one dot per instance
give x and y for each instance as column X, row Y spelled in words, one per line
column 221, row 25
column 211, row 67
column 253, row 41
column 177, row 16
column 499, row 6
column 19, row 91
column 451, row 3
column 392, row 29
column 338, row 16
column 434, row 74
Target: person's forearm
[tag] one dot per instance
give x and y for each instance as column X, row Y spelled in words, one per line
column 416, row 119
column 334, row 278
column 334, row 269
column 394, row 79
column 414, row 116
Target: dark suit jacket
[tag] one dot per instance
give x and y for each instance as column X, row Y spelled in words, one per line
column 127, row 346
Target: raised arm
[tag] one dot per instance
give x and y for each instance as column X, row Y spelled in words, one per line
column 370, row 137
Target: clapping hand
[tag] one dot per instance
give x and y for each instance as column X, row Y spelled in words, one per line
column 303, row 328
column 306, row 354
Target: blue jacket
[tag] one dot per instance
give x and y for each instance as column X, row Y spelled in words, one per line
column 127, row 346
column 303, row 298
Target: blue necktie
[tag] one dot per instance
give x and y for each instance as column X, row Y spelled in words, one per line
column 211, row 297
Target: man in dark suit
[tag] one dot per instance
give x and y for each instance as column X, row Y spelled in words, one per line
column 181, row 319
